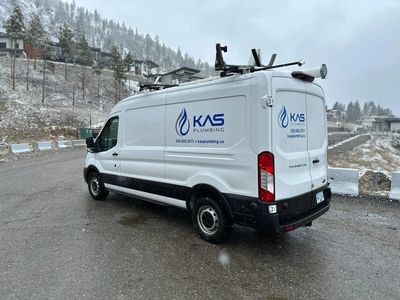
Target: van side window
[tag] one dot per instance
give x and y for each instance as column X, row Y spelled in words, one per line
column 109, row 135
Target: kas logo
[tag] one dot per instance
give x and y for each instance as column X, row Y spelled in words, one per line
column 182, row 125
column 284, row 118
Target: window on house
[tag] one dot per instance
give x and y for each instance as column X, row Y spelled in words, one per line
column 3, row 45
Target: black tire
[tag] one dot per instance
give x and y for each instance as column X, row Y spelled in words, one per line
column 96, row 187
column 210, row 221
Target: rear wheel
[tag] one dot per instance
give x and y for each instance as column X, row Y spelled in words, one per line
column 210, row 221
column 96, row 187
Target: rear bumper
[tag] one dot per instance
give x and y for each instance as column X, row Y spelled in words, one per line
column 290, row 213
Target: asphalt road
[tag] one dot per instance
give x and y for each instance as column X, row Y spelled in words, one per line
column 58, row 243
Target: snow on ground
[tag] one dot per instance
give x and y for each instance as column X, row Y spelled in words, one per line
column 23, row 116
column 376, row 154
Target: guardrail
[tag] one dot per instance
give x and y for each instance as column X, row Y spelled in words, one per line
column 78, row 143
column 39, row 146
column 22, row 148
column 43, row 146
column 395, row 187
column 64, row 144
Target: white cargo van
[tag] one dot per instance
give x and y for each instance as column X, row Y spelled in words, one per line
column 248, row 149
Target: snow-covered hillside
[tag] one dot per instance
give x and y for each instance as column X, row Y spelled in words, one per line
column 23, row 116
column 103, row 33
column 44, row 8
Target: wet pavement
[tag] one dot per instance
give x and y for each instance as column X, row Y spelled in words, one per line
column 58, row 243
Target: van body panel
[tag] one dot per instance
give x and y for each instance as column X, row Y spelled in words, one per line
column 208, row 137
column 317, row 135
column 143, row 145
column 289, row 138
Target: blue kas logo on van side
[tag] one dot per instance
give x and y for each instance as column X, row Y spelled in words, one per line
column 285, row 117
column 182, row 125
column 214, row 120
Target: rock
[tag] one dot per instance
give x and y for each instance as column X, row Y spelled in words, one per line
column 374, row 182
column 396, row 143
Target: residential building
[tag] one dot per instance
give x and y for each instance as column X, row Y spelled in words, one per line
column 9, row 46
column 381, row 123
column 181, row 75
column 145, row 68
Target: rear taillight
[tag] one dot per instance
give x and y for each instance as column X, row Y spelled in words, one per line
column 266, row 178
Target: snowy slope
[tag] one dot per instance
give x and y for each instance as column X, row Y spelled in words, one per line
column 44, row 8
column 23, row 116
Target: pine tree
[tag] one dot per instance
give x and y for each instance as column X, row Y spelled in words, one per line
column 118, row 68
column 36, row 35
column 15, row 29
column 336, row 106
column 365, row 110
column 128, row 61
column 350, row 112
column 86, row 60
column 356, row 111
column 66, row 40
column 97, row 67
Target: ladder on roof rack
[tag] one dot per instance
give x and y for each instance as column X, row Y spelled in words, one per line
column 228, row 70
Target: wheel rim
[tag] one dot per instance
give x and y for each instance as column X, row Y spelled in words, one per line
column 94, row 186
column 207, row 219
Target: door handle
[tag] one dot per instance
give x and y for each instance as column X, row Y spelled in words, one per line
column 315, row 161
column 115, row 154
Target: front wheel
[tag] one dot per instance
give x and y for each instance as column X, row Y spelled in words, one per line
column 210, row 221
column 96, row 187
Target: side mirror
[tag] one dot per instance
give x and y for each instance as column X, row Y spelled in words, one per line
column 90, row 142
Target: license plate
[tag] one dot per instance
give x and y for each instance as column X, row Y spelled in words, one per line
column 320, row 197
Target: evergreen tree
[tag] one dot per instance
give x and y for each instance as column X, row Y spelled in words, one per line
column 66, row 40
column 336, row 106
column 97, row 68
column 36, row 35
column 350, row 112
column 356, row 111
column 128, row 61
column 86, row 60
column 365, row 110
column 118, row 67
column 15, row 29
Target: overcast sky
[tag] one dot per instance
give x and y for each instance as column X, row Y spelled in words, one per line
column 358, row 40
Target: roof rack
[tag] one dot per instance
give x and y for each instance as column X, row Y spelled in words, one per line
column 154, row 86
column 228, row 70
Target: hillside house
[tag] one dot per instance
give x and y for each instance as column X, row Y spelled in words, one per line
column 8, row 46
column 381, row 123
column 181, row 75
column 145, row 68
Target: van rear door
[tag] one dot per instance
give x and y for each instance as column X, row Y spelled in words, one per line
column 289, row 138
column 317, row 135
